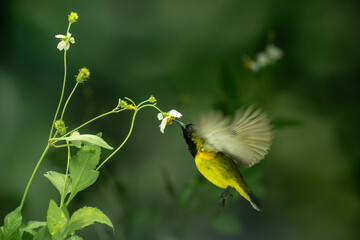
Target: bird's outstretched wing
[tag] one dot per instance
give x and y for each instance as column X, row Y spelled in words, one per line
column 246, row 139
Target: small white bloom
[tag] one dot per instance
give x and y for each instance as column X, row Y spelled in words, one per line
column 65, row 41
column 167, row 118
column 274, row 52
column 262, row 59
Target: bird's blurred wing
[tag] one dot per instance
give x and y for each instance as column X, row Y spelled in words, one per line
column 247, row 139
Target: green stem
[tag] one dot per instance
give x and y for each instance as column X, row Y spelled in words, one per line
column 67, row 101
column 128, row 135
column 91, row 120
column 33, row 174
column 51, row 130
column 60, row 146
column 154, row 106
column 62, row 91
column 63, row 194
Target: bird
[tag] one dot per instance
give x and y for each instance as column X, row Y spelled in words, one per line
column 218, row 144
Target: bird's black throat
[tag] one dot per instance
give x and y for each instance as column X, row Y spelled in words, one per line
column 188, row 131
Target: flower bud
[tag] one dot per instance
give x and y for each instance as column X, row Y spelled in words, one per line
column 60, row 127
column 73, row 17
column 122, row 104
column 152, row 99
column 83, row 75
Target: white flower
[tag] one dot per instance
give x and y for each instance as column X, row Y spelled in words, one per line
column 262, row 59
column 167, row 118
column 274, row 52
column 65, row 41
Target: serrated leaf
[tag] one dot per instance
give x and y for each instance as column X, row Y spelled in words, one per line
column 90, row 138
column 84, row 217
column 31, row 225
column 82, row 171
column 58, row 180
column 43, row 234
column 55, row 220
column 12, row 223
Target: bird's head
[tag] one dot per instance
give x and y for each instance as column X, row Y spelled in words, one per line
column 188, row 130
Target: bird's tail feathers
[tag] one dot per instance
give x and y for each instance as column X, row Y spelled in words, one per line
column 245, row 191
column 254, row 202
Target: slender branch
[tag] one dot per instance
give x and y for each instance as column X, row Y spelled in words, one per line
column 125, row 140
column 67, row 101
column 62, row 91
column 33, row 174
column 130, row 100
column 129, row 133
column 91, row 120
column 63, row 194
column 60, row 146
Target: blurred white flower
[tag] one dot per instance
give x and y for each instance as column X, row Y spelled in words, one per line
column 65, row 41
column 274, row 52
column 167, row 118
column 270, row 55
column 262, row 59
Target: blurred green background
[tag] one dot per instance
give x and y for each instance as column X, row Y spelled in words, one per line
column 188, row 54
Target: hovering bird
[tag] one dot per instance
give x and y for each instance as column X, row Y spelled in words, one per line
column 218, row 144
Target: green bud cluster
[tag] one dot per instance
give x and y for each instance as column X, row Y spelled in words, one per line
column 73, row 17
column 83, row 75
column 60, row 127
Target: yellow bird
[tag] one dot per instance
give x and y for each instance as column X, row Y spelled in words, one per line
column 217, row 144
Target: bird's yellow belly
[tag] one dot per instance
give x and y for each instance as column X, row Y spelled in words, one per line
column 218, row 170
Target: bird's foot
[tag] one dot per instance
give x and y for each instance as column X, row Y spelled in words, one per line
column 223, row 196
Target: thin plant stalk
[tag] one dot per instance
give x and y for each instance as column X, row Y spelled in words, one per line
column 33, row 174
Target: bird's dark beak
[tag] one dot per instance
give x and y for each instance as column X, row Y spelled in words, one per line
column 183, row 126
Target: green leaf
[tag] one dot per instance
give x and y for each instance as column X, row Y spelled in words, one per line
column 43, row 234
column 82, row 171
column 98, row 141
column 65, row 211
column 84, row 217
column 55, row 220
column 30, row 226
column 58, row 180
column 12, row 223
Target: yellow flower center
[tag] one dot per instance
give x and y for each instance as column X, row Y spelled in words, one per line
column 170, row 120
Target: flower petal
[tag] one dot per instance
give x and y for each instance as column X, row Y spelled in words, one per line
column 59, row 36
column 160, row 116
column 174, row 113
column 61, row 45
column 72, row 40
column 67, row 46
column 163, row 125
column 262, row 59
column 69, row 34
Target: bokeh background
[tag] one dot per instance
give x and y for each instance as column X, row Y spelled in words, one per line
column 188, row 54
